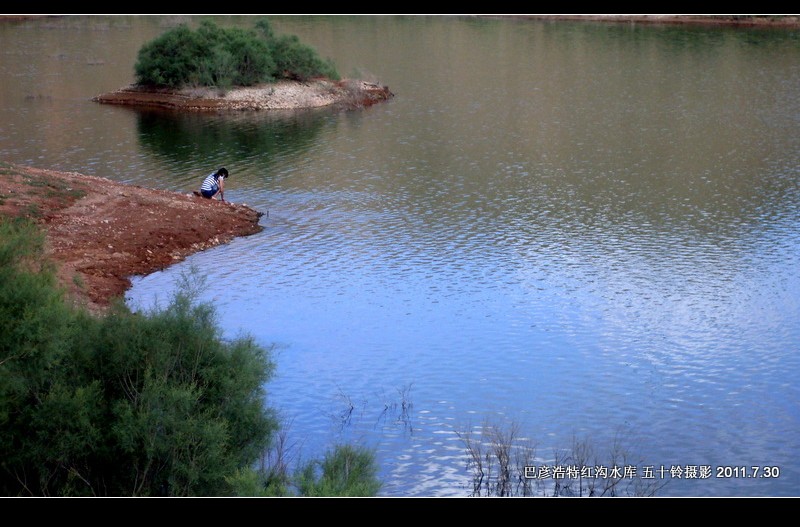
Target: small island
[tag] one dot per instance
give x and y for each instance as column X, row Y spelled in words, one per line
column 218, row 69
column 282, row 95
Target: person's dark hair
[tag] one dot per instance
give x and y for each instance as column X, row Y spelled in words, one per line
column 222, row 172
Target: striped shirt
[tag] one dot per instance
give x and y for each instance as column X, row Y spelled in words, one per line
column 210, row 183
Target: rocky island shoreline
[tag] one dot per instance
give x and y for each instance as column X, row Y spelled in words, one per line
column 282, row 95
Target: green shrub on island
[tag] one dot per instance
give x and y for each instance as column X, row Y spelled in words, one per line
column 150, row 404
column 225, row 57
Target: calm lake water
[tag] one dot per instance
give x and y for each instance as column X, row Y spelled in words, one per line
column 585, row 230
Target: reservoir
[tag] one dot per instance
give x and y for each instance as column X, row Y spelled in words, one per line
column 582, row 230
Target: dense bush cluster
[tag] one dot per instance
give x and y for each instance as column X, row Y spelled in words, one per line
column 122, row 404
column 153, row 404
column 224, row 57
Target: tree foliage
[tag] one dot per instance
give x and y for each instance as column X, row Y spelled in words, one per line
column 224, row 57
column 155, row 404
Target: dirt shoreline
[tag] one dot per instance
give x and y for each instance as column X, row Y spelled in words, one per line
column 283, row 95
column 765, row 21
column 100, row 232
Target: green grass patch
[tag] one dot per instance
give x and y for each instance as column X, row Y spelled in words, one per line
column 57, row 192
column 32, row 211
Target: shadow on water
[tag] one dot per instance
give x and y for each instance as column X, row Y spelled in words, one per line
column 248, row 140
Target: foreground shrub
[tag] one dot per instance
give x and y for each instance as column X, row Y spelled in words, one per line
column 154, row 404
column 345, row 471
